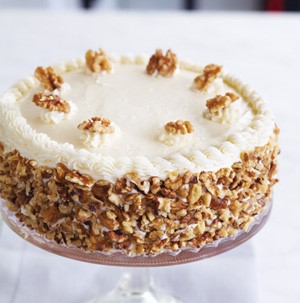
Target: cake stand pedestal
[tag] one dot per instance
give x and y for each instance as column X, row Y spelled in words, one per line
column 136, row 284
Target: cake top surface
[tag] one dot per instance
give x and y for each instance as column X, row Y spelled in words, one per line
column 130, row 118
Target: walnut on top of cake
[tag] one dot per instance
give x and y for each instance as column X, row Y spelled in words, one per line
column 51, row 102
column 98, row 61
column 48, row 78
column 210, row 73
column 179, row 127
column 164, row 65
column 219, row 102
column 97, row 125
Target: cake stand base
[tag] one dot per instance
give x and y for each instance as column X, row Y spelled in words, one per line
column 136, row 286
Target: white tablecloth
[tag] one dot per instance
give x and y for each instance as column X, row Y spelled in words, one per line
column 263, row 50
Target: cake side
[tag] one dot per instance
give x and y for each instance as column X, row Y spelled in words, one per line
column 139, row 216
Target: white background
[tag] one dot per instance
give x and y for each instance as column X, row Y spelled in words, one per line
column 264, row 50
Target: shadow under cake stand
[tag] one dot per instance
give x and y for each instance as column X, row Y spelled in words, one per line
column 136, row 284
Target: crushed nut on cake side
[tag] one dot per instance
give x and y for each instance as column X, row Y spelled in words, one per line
column 136, row 215
column 98, row 61
column 164, row 65
column 48, row 78
column 210, row 73
column 51, row 102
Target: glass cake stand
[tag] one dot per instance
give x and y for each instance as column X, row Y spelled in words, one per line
column 136, row 284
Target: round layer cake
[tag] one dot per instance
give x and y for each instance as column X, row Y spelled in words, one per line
column 135, row 154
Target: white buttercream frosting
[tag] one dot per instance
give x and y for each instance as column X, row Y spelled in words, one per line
column 175, row 139
column 55, row 116
column 96, row 140
column 229, row 115
column 217, row 87
column 139, row 104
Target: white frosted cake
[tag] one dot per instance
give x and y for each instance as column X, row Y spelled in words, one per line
column 126, row 153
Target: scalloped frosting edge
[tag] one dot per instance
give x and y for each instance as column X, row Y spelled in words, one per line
column 18, row 134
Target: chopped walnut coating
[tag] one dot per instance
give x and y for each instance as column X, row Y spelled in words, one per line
column 49, row 79
column 179, row 127
column 163, row 65
column 136, row 215
column 142, row 185
column 219, row 102
column 195, row 193
column 97, row 125
column 210, row 73
column 76, row 177
column 97, row 61
column 51, row 102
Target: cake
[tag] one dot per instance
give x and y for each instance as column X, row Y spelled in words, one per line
column 136, row 154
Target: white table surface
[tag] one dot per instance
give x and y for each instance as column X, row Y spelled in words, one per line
column 264, row 50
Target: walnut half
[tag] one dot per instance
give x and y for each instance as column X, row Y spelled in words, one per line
column 51, row 102
column 49, row 79
column 179, row 127
column 220, row 102
column 210, row 73
column 97, row 125
column 97, row 61
column 164, row 65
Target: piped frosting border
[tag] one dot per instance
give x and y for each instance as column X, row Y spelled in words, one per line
column 18, row 134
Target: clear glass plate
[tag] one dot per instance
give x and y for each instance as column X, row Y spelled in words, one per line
column 136, row 285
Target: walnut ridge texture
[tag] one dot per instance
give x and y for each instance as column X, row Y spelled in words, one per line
column 51, row 102
column 97, row 125
column 210, row 73
column 164, row 65
column 48, row 78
